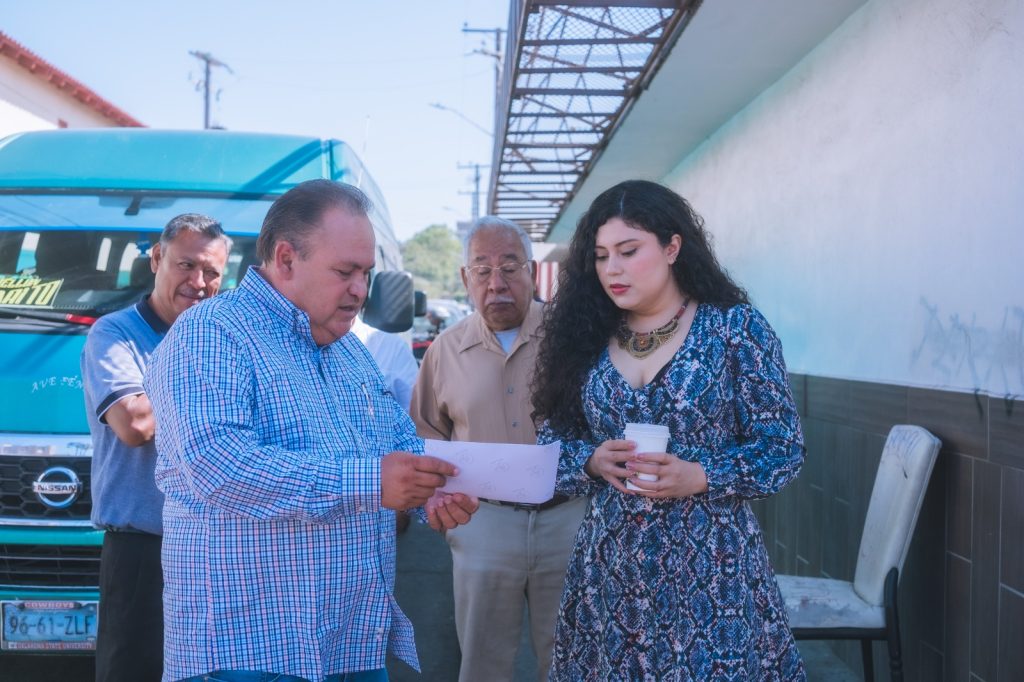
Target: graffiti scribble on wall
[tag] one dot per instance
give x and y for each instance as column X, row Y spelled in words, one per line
column 958, row 348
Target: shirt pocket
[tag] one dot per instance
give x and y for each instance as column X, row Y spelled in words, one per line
column 373, row 414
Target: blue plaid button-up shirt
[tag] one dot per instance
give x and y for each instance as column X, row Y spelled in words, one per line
column 277, row 555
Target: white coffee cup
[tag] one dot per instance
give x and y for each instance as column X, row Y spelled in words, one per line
column 648, row 438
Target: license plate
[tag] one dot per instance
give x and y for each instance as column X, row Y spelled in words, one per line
column 48, row 626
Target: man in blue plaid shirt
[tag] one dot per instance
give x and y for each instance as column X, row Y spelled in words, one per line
column 281, row 456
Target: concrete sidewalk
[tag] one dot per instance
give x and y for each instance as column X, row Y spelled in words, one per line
column 423, row 587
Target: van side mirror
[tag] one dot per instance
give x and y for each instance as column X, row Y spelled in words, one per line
column 390, row 304
column 420, row 306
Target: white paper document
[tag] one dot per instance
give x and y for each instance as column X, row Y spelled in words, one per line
column 498, row 471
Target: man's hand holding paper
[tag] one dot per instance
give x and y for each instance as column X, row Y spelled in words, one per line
column 499, row 471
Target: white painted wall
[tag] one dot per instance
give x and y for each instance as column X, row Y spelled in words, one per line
column 14, row 119
column 872, row 200
column 30, row 103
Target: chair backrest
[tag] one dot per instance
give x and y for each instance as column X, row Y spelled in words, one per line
column 907, row 461
column 72, row 256
column 142, row 276
column 59, row 254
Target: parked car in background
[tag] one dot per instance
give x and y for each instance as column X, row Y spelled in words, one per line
column 441, row 314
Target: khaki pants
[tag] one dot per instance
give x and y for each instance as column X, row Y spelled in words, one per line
column 502, row 560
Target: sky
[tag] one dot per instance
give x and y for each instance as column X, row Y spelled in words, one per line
column 366, row 72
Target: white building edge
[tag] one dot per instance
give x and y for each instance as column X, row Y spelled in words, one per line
column 36, row 95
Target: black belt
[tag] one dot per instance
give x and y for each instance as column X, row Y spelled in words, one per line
column 521, row 506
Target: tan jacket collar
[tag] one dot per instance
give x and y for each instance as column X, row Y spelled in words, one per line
column 478, row 332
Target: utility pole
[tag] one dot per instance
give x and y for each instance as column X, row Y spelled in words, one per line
column 208, row 61
column 499, row 59
column 497, row 54
column 476, row 186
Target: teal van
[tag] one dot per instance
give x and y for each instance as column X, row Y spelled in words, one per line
column 79, row 211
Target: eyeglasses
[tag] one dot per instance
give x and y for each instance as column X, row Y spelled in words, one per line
column 481, row 274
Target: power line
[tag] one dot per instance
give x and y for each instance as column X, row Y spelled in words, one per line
column 441, row 107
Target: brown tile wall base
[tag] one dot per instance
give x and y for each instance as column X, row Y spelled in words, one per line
column 1011, row 652
column 961, row 600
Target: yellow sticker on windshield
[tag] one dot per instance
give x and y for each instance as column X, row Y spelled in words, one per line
column 28, row 290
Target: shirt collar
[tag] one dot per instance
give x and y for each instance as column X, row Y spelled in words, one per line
column 151, row 318
column 276, row 303
column 480, row 333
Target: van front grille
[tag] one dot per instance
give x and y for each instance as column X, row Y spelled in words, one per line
column 19, row 502
column 50, row 565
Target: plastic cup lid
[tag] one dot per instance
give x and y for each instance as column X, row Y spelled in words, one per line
column 648, row 428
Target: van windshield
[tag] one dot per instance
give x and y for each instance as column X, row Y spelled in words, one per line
column 87, row 272
column 88, row 254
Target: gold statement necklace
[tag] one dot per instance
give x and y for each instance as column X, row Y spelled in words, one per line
column 642, row 344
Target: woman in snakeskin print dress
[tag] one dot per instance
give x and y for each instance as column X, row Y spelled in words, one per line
column 671, row 581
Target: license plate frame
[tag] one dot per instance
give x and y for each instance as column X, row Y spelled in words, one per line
column 42, row 625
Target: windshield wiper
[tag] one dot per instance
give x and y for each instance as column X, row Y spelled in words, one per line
column 12, row 312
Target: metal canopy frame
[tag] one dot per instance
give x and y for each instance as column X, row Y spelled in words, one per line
column 573, row 70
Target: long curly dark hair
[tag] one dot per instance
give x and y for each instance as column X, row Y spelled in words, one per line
column 582, row 318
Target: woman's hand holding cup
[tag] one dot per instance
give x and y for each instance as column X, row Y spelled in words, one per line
column 649, row 438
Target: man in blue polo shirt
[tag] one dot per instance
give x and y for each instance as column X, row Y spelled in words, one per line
column 188, row 263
